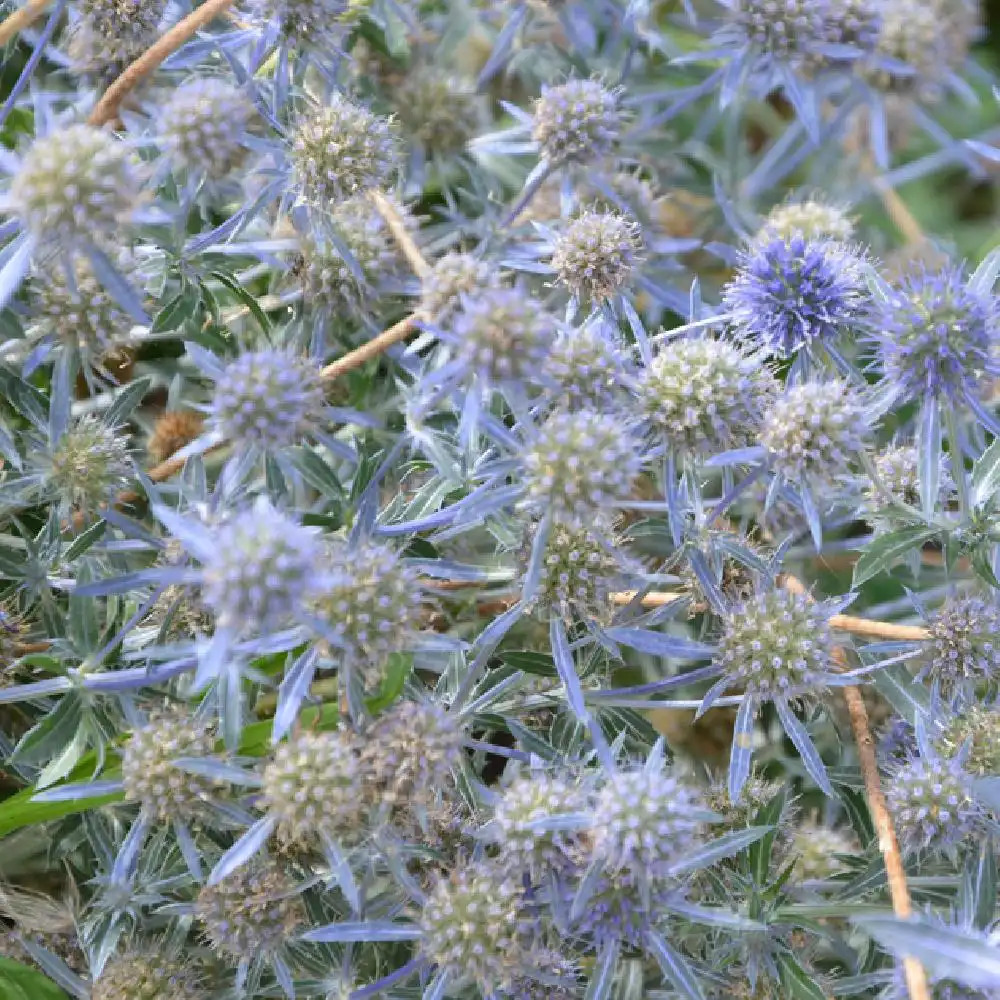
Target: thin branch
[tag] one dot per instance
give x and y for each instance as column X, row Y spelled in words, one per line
column 899, row 891
column 899, row 212
column 397, row 226
column 21, row 18
column 107, row 107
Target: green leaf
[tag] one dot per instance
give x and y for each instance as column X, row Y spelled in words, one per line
column 898, row 688
column 18, row 982
column 397, row 670
column 85, row 540
column 885, row 551
column 19, row 811
column 317, row 473
column 176, row 312
column 126, row 401
column 540, row 664
column 986, row 474
column 799, row 985
column 245, row 297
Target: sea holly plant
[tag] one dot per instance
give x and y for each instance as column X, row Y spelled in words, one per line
column 499, row 501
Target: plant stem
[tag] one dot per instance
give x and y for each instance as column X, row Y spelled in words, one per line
column 21, row 18
column 397, row 226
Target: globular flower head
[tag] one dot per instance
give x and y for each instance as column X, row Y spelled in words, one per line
column 173, row 430
column 472, row 927
column 147, row 975
column 620, row 908
column 441, row 112
column 503, row 334
column 595, row 255
column 341, row 150
column 165, row 791
column 898, row 469
column 89, row 463
column 522, row 806
column 816, row 848
column 931, row 802
column 111, row 33
column 645, row 820
column 450, row 280
column 777, row 645
column 577, row 120
column 937, row 335
column 372, row 603
column 813, row 431
column 810, row 219
column 306, row 24
column 790, row 293
column 853, row 22
column 203, row 125
column 706, row 395
column 77, row 184
column 262, row 568
column 410, row 753
column 312, row 786
column 587, row 368
column 964, row 644
column 974, row 729
column 267, row 398
column 577, row 462
column 249, row 913
column 782, row 29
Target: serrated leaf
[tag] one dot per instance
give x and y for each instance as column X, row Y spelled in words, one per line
column 886, row 550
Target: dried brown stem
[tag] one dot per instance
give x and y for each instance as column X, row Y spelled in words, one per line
column 21, row 18
column 107, row 107
column 397, row 226
column 899, row 212
column 899, row 891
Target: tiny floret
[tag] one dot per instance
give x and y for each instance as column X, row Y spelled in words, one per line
column 791, row 293
column 267, row 398
column 964, row 644
column 596, row 254
column 777, row 645
column 577, row 120
column 341, row 150
column 76, row 185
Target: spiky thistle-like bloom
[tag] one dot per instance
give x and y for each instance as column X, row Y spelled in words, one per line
column 147, row 975
column 938, row 336
column 777, row 645
column 203, row 126
column 577, row 120
column 975, row 730
column 250, row 913
column 587, row 368
column 340, row 150
column 931, row 802
column 472, row 924
column 267, row 399
column 78, row 184
column 450, row 280
column 111, row 33
column 644, row 821
column 706, row 395
column 595, row 255
column 89, row 463
column 898, row 469
column 577, row 462
column 439, row 111
column 791, row 293
column 964, row 645
column 164, row 791
column 816, row 848
column 314, row 25
column 313, row 785
column 810, row 219
column 781, row 29
column 370, row 603
column 813, row 431
column 503, row 334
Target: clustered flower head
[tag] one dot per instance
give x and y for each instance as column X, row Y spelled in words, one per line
column 596, row 253
column 111, row 33
column 147, row 975
column 440, row 111
column 974, row 731
column 781, row 28
column 816, row 848
column 587, row 368
column 812, row 220
column 307, row 24
column 898, row 470
column 89, row 463
column 453, row 277
column 577, row 120
column 963, row 645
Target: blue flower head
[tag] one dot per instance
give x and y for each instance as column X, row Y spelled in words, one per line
column 577, row 120
column 792, row 292
column 938, row 335
column 783, row 29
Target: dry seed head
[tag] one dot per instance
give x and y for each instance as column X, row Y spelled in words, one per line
column 173, row 430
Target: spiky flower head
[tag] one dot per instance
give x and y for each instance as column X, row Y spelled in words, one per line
column 964, row 644
column 203, row 125
column 173, row 430
column 472, row 927
column 411, row 751
column 811, row 219
column 756, row 794
column 146, row 975
column 577, row 120
column 578, row 462
column 777, row 645
column 783, row 29
column 267, row 398
column 852, row 22
column 450, row 280
column 813, row 431
column 622, row 907
column 816, row 848
column 587, row 368
column 149, row 773
column 306, row 24
column 264, row 566
column 791, row 292
column 596, row 254
column 439, row 111
column 503, row 334
column 645, row 820
column 250, row 912
column 898, row 470
column 89, row 463
column 938, row 335
column 706, row 395
column 371, row 601
column 86, row 316
column 312, row 786
column 931, row 802
column 78, row 184
column 111, row 33
column 341, row 150
column 974, row 729
column 526, row 845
